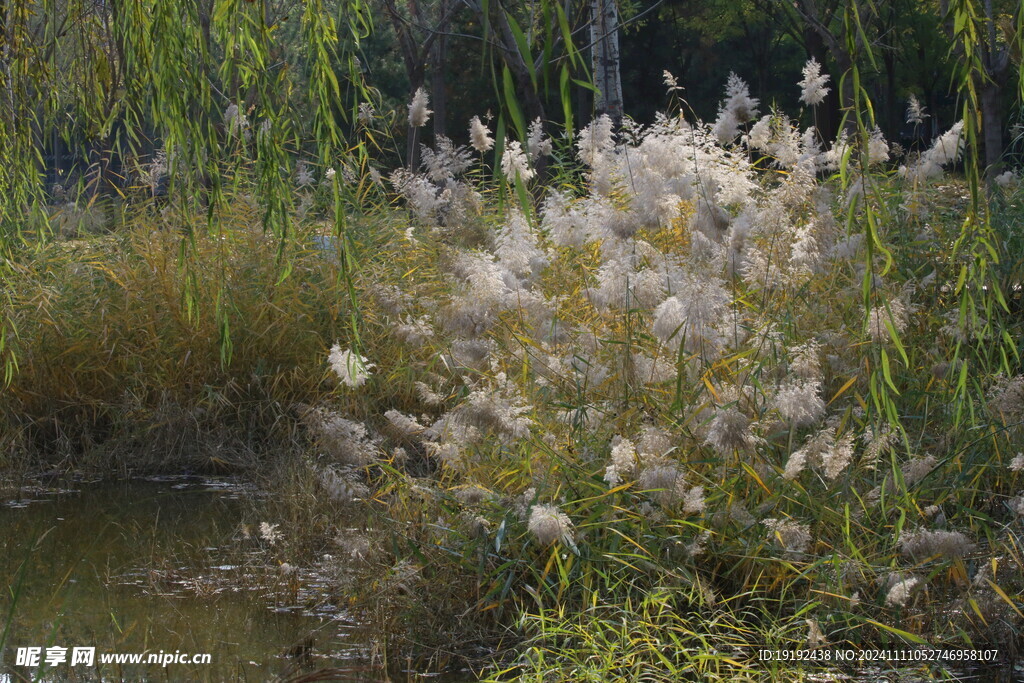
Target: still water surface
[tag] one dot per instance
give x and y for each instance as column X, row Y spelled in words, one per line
column 155, row 565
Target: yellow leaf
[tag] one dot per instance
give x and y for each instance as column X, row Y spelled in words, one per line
column 977, row 610
column 843, row 389
column 707, row 383
column 999, row 591
column 752, row 473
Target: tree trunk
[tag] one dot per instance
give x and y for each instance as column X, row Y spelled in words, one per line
column 893, row 110
column 991, row 126
column 604, row 37
column 437, row 78
column 996, row 61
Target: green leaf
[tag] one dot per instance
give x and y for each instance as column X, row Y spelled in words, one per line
column 499, row 536
column 513, row 104
column 570, row 47
column 524, row 47
column 899, row 632
column 586, row 84
column 886, row 373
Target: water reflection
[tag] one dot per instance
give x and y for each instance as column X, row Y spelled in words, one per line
column 157, row 565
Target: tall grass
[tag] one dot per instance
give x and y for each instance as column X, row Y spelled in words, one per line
column 114, row 360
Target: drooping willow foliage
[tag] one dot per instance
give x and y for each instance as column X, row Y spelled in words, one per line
column 989, row 350
column 204, row 82
column 978, row 248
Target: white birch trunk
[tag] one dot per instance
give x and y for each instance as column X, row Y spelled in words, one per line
column 604, row 38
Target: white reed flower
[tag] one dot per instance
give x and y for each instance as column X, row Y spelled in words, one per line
column 415, row 331
column 811, row 156
column 693, row 500
column 877, row 442
column 623, row 461
column 497, row 407
column 1017, row 505
column 944, row 151
column 446, row 162
column 915, row 111
column 917, row 468
column 726, row 126
column 805, row 361
column 656, row 370
column 791, row 535
column 514, row 163
column 1017, row 464
column 878, row 148
column 738, row 99
column 804, row 253
column 236, row 122
column 479, row 136
column 341, row 488
column 418, row 112
column 330, row 173
column 834, row 157
column 549, row 524
column 736, row 109
column 351, row 368
column 670, row 81
column 813, row 90
column 815, row 638
column 448, row 452
column 786, row 146
column 421, row 194
column 923, row 544
column 269, row 532
column 799, row 403
column 696, row 547
column 795, row 464
column 473, row 495
column 405, row 424
column 833, row 455
column 1006, row 179
column 729, row 431
column 761, row 134
column 303, row 174
column 516, row 246
column 693, row 316
column 427, row 395
column 654, row 442
column 848, row 248
column 896, row 316
column 366, row 113
column 537, row 145
column 595, row 140
column 352, row 545
column 664, row 481
column 340, row 439
column 669, row 319
column 562, row 221
column 901, row 591
column 838, row 457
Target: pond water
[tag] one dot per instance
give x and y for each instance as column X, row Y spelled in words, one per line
column 160, row 566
